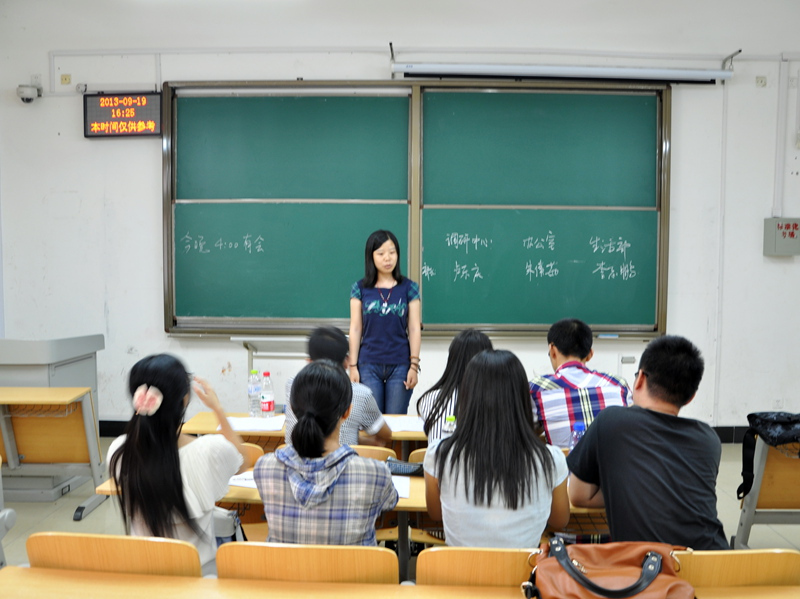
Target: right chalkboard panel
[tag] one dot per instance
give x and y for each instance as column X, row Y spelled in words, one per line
column 540, row 148
column 525, row 267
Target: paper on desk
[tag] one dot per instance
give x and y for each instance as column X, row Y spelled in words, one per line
column 275, row 423
column 404, row 423
column 403, row 485
column 245, row 479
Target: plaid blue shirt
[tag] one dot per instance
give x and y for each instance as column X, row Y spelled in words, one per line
column 333, row 500
column 573, row 394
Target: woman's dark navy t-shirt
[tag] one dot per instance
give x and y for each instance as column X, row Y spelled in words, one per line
column 384, row 318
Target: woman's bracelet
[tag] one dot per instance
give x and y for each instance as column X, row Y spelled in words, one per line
column 353, row 365
column 415, row 367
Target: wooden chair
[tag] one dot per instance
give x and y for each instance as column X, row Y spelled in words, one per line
column 472, row 566
column 113, row 553
column 773, row 498
column 307, row 563
column 376, row 453
column 747, row 567
column 418, row 455
column 251, row 453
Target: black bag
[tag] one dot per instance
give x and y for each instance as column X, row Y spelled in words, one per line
column 775, row 428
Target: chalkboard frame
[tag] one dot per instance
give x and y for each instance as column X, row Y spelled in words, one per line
column 212, row 326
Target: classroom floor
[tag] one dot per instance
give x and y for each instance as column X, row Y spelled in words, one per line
column 34, row 517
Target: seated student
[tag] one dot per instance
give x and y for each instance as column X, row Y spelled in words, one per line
column 439, row 402
column 494, row 482
column 574, row 393
column 366, row 425
column 168, row 482
column 654, row 471
column 317, row 491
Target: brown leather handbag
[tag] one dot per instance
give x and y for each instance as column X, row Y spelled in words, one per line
column 612, row 570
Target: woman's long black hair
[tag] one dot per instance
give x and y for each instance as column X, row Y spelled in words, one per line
column 146, row 467
column 321, row 394
column 494, row 441
column 375, row 241
column 462, row 349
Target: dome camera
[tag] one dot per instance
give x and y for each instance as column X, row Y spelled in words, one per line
column 28, row 93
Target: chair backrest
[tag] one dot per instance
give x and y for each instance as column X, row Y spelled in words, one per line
column 307, row 563
column 251, row 453
column 742, row 567
column 113, row 553
column 780, row 482
column 418, row 455
column 374, row 452
column 472, row 566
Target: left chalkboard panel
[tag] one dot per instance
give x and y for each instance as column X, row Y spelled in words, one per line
column 306, row 147
column 274, row 260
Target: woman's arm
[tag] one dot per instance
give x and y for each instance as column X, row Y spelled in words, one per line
column 414, row 340
column 208, row 396
column 355, row 338
column 432, row 498
column 559, row 508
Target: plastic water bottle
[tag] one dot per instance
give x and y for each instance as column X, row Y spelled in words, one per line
column 267, row 397
column 449, row 426
column 254, row 394
column 577, row 434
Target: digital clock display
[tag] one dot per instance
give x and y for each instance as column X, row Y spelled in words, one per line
column 122, row 115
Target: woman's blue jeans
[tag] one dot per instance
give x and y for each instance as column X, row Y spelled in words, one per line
column 386, row 383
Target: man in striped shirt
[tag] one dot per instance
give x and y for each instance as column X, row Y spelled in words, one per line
column 365, row 425
column 574, row 393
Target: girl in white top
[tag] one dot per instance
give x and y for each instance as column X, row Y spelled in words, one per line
column 168, row 482
column 494, row 482
column 439, row 402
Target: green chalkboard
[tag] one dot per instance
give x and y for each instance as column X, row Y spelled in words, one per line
column 535, row 148
column 273, row 260
column 516, row 203
column 317, row 147
column 507, row 267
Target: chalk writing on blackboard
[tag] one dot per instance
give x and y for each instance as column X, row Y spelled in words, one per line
column 200, row 244
column 541, row 269
column 467, row 273
column 625, row 271
column 540, row 243
column 612, row 245
column 465, row 240
column 428, row 271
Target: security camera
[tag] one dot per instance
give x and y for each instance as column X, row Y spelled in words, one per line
column 28, row 93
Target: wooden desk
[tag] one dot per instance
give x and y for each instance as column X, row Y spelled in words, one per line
column 771, row 592
column 57, row 433
column 205, row 423
column 44, row 583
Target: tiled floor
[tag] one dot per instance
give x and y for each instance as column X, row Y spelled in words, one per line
column 33, row 517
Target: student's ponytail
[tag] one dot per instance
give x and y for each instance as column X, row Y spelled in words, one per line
column 307, row 437
column 321, row 394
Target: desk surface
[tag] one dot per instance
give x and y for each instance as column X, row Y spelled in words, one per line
column 415, row 502
column 43, row 583
column 16, row 396
column 205, row 423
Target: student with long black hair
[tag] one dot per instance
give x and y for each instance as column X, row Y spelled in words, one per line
column 315, row 490
column 494, row 482
column 385, row 326
column 169, row 482
column 439, row 402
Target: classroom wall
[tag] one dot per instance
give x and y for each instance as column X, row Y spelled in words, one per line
column 81, row 219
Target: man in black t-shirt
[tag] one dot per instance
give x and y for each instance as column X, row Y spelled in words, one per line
column 653, row 471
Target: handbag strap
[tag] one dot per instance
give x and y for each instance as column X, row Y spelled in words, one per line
column 650, row 569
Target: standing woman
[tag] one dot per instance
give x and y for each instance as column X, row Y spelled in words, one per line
column 168, row 482
column 385, row 326
column 439, row 402
column 494, row 482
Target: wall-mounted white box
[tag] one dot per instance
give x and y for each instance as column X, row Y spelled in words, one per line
column 782, row 236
